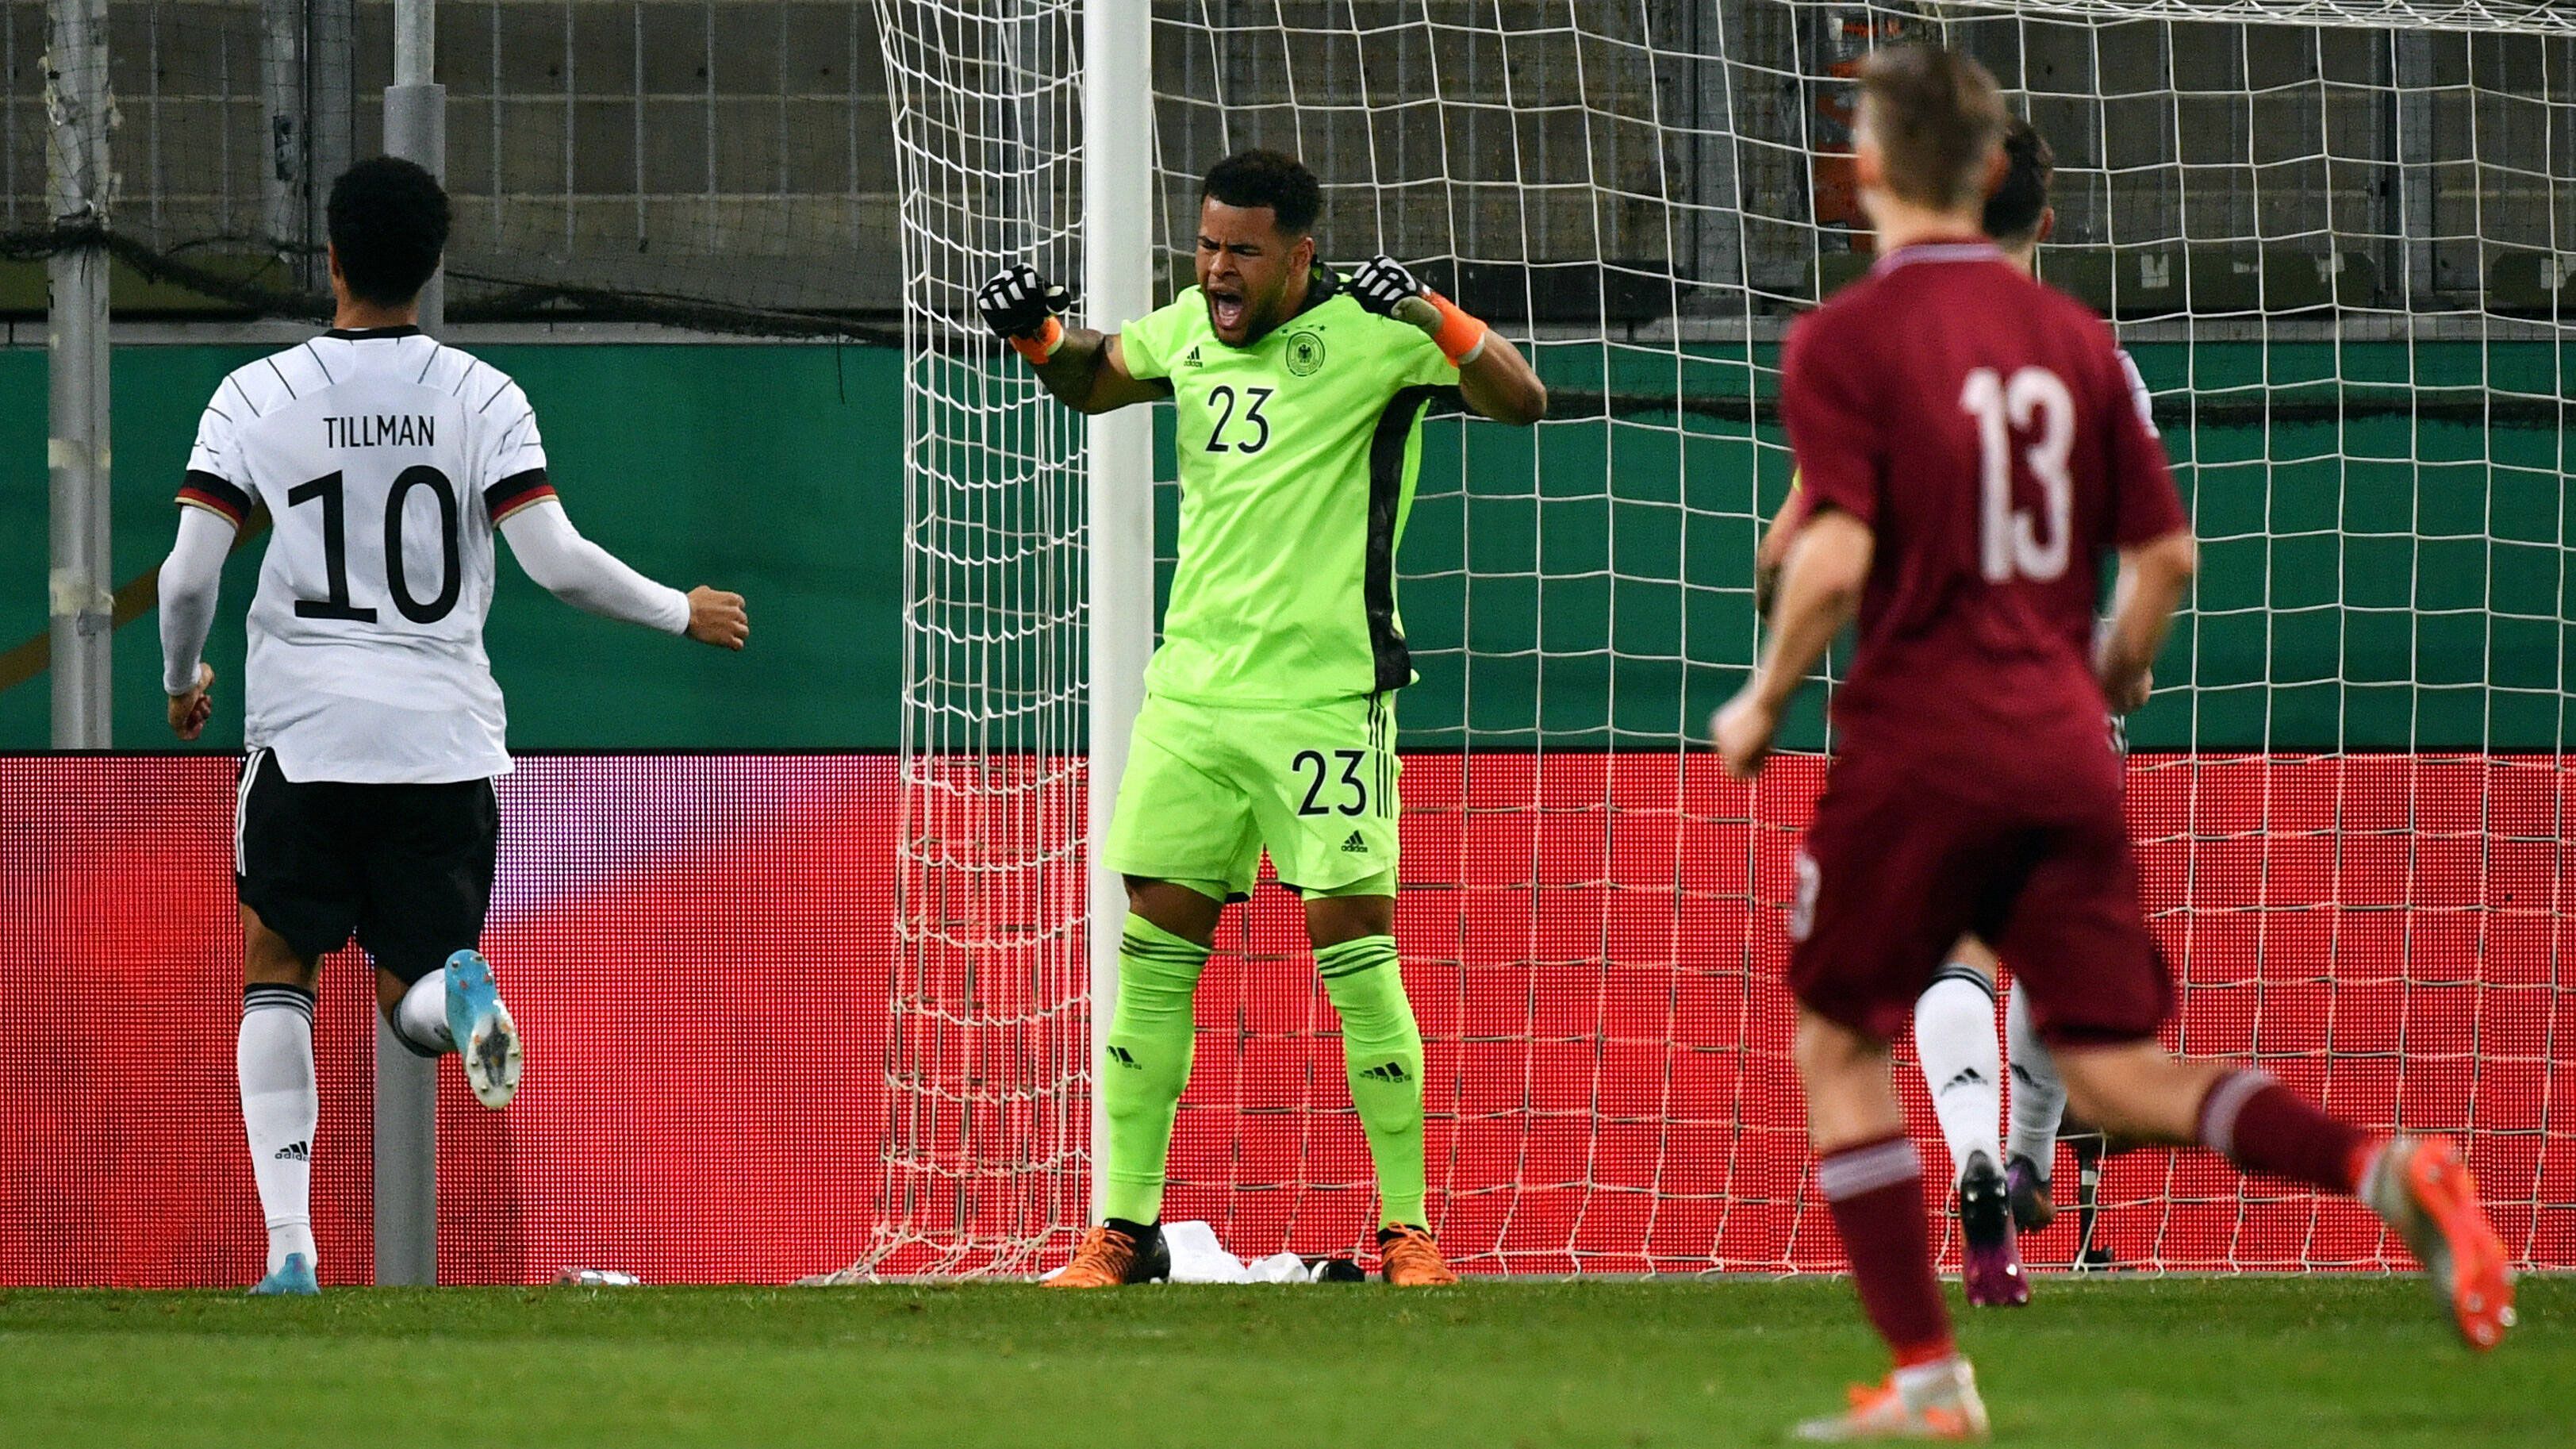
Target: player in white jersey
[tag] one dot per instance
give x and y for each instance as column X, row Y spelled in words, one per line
column 373, row 723
column 2003, row 1185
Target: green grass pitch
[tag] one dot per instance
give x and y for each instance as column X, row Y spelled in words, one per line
column 2198, row 1362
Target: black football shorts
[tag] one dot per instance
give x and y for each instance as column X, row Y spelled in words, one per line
column 406, row 868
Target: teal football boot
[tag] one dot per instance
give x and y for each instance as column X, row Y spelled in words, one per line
column 487, row 1040
column 293, row 1278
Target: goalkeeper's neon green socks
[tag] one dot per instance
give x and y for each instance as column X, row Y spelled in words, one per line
column 1146, row 1062
column 1382, row 1051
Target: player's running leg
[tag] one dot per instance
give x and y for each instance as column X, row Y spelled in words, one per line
column 2419, row 1186
column 2099, row 990
column 430, row 852
column 2037, row 1109
column 417, row 1012
column 280, row 1102
column 458, row 1003
column 1885, row 881
column 1962, row 1059
column 1354, row 933
column 1145, row 1064
column 1872, row 1178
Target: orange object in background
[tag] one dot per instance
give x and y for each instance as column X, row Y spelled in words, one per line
column 1834, row 191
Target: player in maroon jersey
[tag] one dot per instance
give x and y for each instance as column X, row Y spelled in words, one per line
column 2002, row 1185
column 1970, row 448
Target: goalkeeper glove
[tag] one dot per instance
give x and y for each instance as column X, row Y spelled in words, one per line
column 1384, row 287
column 1021, row 307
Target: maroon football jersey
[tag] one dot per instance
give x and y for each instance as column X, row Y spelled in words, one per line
column 1989, row 432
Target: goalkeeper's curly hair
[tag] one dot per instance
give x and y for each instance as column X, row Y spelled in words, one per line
column 1273, row 179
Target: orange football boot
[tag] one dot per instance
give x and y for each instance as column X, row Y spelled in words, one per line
column 1410, row 1259
column 2423, row 1190
column 1107, row 1258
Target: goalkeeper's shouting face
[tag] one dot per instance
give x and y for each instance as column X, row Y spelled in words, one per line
column 1256, row 242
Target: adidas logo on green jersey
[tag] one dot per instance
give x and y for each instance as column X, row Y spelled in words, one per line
column 1191, row 359
column 1355, row 845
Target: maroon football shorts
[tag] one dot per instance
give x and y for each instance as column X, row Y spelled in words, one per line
column 1895, row 869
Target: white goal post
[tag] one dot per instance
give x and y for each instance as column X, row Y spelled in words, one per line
column 1118, row 282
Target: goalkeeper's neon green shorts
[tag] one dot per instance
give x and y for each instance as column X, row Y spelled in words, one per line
column 1207, row 788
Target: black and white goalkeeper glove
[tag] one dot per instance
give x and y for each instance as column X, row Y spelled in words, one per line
column 1382, row 284
column 1019, row 303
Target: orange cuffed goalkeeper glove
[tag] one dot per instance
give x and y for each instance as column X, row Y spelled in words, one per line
column 1382, row 285
column 1022, row 307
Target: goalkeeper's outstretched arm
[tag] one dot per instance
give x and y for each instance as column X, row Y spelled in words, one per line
column 1500, row 384
column 1088, row 373
column 1084, row 369
column 1493, row 377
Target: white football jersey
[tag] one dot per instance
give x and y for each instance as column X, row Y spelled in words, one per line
column 2139, row 398
column 385, row 459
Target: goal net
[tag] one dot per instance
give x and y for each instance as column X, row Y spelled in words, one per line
column 709, row 167
column 2338, row 238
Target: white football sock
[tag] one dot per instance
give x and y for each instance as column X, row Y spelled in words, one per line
column 1954, row 1036
column 420, row 1019
column 2038, row 1094
column 280, row 1108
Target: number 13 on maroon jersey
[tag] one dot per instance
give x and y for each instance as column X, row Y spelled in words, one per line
column 1988, row 431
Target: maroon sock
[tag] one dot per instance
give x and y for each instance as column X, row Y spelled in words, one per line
column 1876, row 1191
column 2262, row 1126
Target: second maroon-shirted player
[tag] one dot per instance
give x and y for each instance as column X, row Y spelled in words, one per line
column 1971, row 449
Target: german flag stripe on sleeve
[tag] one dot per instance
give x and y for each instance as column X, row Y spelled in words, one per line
column 215, row 495
column 516, row 492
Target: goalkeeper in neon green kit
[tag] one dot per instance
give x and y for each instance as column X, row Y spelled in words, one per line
column 1269, row 717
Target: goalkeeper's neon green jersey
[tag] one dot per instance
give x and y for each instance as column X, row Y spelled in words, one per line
column 1297, row 457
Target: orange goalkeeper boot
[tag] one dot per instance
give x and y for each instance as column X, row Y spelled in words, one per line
column 1410, row 1259
column 1108, row 1257
column 2421, row 1188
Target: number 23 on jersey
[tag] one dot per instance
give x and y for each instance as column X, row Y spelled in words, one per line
column 1249, row 435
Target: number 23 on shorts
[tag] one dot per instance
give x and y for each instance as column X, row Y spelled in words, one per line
column 1327, row 793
